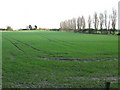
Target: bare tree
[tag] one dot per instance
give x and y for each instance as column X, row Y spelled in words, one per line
column 105, row 19
column 68, row 25
column 113, row 17
column 79, row 23
column 74, row 24
column 83, row 22
column 63, row 25
column 95, row 21
column 89, row 21
column 101, row 19
column 71, row 22
column 109, row 23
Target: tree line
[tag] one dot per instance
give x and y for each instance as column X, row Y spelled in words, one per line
column 102, row 23
column 30, row 27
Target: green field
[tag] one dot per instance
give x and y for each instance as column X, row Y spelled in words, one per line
column 49, row 59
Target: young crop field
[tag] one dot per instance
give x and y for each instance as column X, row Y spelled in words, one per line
column 51, row 59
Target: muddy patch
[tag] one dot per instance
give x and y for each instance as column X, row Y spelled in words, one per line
column 82, row 60
column 113, row 79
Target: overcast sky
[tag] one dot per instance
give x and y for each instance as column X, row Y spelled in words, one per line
column 49, row 13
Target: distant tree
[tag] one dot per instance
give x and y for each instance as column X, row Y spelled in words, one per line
column 64, row 25
column 35, row 27
column 78, row 27
column 89, row 23
column 74, row 24
column 83, row 22
column 61, row 25
column 113, row 17
column 105, row 19
column 101, row 19
column 9, row 28
column 30, row 27
column 95, row 21
column 109, row 23
column 68, row 25
column 79, row 23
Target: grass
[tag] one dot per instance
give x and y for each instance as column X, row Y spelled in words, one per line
column 0, row 60
column 48, row 59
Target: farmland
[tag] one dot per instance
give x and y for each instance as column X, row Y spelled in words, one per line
column 51, row 59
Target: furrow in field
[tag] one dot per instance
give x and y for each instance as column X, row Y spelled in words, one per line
column 50, row 40
column 30, row 46
column 42, row 51
column 14, row 45
column 55, row 42
column 63, row 43
column 26, row 44
column 56, row 58
column 47, row 58
column 34, row 48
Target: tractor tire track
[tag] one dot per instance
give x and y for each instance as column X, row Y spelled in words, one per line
column 56, row 58
column 51, row 58
column 14, row 45
column 45, row 58
column 60, row 41
column 34, row 48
